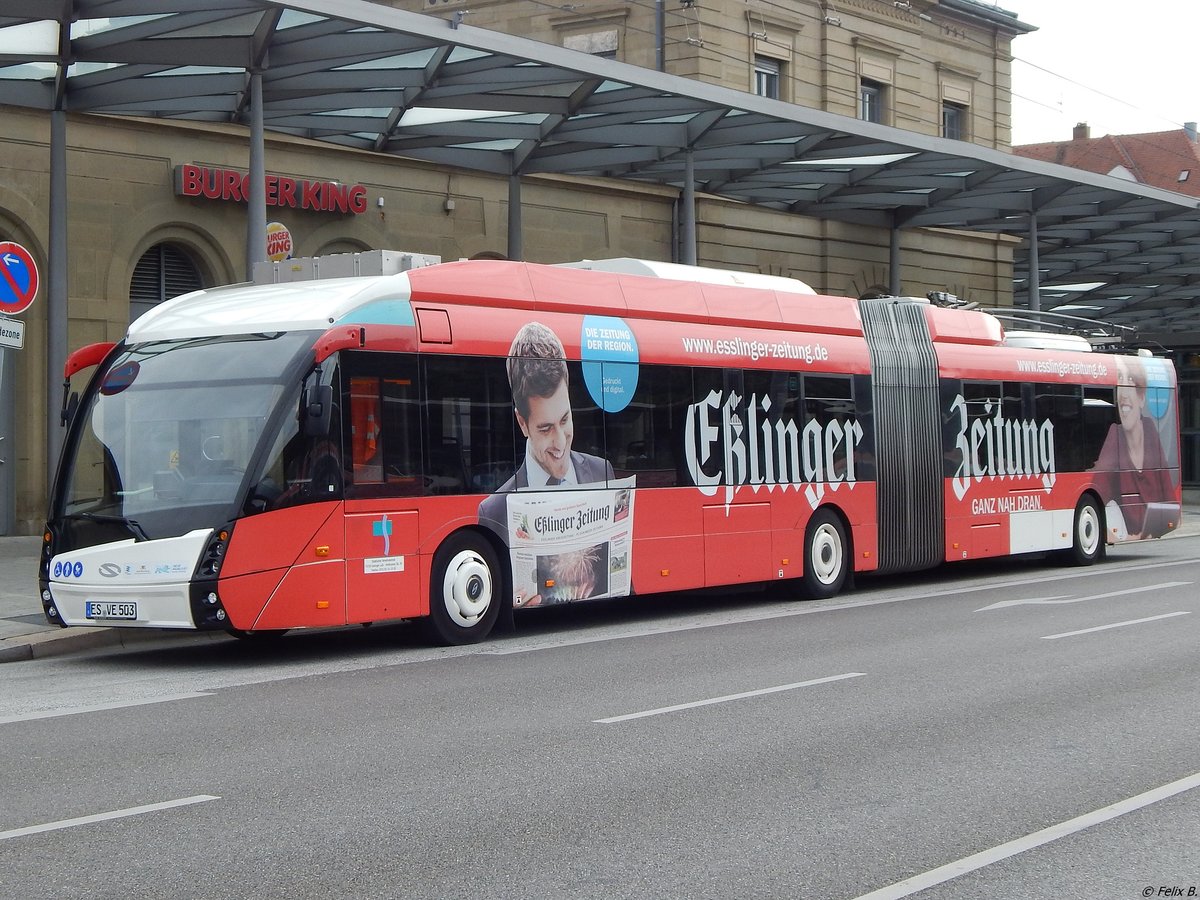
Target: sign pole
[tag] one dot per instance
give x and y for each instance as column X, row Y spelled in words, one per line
column 18, row 287
column 7, row 445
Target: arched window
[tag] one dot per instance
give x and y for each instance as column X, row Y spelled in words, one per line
column 164, row 271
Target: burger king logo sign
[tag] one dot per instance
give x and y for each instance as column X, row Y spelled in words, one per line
column 279, row 242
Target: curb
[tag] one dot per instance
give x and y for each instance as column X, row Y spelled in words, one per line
column 41, row 645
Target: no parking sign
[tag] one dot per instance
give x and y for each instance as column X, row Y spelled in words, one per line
column 18, row 278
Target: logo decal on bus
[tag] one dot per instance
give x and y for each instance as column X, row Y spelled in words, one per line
column 766, row 450
column 383, row 529
column 68, row 569
column 994, row 447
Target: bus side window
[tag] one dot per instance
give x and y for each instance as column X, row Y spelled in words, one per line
column 471, row 440
column 646, row 437
column 300, row 468
column 366, row 415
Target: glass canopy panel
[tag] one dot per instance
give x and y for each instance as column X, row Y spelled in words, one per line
column 489, row 145
column 76, row 70
column 30, row 39
column 416, row 60
column 87, row 27
column 198, row 70
column 465, row 54
column 427, row 115
column 882, row 159
column 235, row 26
column 376, row 112
column 29, row 72
column 294, row 19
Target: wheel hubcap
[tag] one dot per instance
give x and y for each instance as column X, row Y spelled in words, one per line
column 1089, row 530
column 826, row 554
column 467, row 588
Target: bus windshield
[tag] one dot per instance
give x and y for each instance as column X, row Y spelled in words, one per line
column 168, row 430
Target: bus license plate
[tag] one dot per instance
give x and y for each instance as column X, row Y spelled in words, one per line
column 108, row 609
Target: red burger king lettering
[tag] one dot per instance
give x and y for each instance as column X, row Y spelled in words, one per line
column 193, row 180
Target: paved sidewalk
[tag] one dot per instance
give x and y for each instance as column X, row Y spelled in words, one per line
column 25, row 633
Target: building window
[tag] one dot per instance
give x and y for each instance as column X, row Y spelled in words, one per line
column 598, row 43
column 767, row 73
column 164, row 271
column 954, row 121
column 870, row 101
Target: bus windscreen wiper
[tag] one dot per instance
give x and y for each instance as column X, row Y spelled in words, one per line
column 138, row 531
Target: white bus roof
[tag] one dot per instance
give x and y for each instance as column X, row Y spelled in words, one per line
column 625, row 265
column 318, row 303
column 252, row 308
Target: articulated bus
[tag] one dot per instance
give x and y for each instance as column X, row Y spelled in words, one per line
column 459, row 441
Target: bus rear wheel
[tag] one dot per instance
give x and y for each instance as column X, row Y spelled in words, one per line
column 464, row 591
column 1087, row 543
column 825, row 556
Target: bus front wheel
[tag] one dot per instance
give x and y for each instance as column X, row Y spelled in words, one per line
column 464, row 591
column 1087, row 544
column 825, row 556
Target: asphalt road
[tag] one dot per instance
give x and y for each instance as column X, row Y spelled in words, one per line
column 1010, row 730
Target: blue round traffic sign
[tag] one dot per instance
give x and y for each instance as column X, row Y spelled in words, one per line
column 18, row 278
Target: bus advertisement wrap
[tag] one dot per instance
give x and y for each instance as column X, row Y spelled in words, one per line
column 475, row 450
column 571, row 545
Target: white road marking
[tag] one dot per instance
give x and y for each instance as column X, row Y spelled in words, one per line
column 1031, row 601
column 771, row 690
column 98, row 707
column 968, row 864
column 1056, row 600
column 704, row 620
column 1054, row 637
column 104, row 817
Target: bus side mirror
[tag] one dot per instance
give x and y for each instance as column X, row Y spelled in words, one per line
column 69, row 407
column 317, row 410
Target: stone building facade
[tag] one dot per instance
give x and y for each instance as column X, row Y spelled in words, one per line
column 135, row 240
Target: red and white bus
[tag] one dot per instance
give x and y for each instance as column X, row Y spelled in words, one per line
column 458, row 441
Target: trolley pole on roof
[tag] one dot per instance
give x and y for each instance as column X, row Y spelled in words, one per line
column 515, row 249
column 256, row 206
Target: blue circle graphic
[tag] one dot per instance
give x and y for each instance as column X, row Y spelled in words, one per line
column 1158, row 387
column 610, row 361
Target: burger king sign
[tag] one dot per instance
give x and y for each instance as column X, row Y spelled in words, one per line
column 279, row 242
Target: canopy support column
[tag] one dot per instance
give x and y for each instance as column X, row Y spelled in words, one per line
column 516, row 249
column 894, row 260
column 56, row 290
column 687, row 213
column 256, row 199
column 1035, row 286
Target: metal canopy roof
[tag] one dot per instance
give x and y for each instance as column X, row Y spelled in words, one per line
column 368, row 76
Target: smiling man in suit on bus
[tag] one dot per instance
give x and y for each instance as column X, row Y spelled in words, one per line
column 537, row 375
